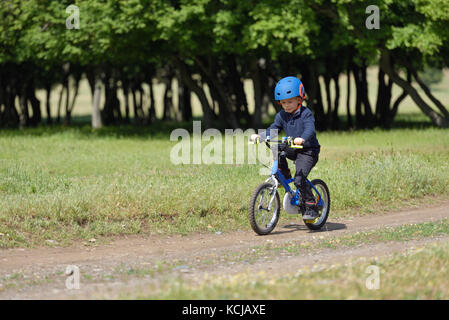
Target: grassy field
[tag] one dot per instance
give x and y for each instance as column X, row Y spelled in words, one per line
column 72, row 184
column 404, row 276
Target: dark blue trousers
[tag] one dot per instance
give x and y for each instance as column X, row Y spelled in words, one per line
column 304, row 160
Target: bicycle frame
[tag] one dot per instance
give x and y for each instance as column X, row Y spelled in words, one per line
column 276, row 175
column 292, row 202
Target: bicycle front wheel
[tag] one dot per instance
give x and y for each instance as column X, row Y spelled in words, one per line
column 264, row 208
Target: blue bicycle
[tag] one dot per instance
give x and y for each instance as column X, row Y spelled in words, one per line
column 264, row 206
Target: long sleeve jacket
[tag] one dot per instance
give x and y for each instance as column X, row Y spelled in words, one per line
column 300, row 124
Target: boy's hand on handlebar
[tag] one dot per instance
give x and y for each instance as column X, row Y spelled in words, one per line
column 254, row 137
column 298, row 141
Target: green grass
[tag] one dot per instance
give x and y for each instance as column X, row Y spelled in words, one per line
column 402, row 233
column 422, row 274
column 71, row 184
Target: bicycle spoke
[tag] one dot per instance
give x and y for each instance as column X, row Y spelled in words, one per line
column 266, row 208
column 263, row 216
column 261, row 199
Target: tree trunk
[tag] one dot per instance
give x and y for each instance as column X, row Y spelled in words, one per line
column 47, row 102
column 369, row 119
column 109, row 92
column 35, row 105
column 125, row 88
column 23, row 102
column 68, row 114
column 137, row 114
column 185, row 107
column 237, row 85
column 315, row 102
column 58, row 113
column 267, row 86
column 152, row 108
column 77, row 78
column 429, row 94
column 225, row 102
column 383, row 99
column 258, row 94
column 96, row 113
column 335, row 119
column 11, row 115
column 111, row 112
column 2, row 103
column 436, row 118
column 116, row 102
column 140, row 106
column 186, row 77
column 395, row 107
column 327, row 81
column 90, row 75
column 168, row 99
column 359, row 119
column 348, row 98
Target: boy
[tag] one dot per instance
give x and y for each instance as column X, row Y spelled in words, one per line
column 298, row 122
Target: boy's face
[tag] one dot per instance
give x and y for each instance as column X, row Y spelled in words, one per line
column 291, row 104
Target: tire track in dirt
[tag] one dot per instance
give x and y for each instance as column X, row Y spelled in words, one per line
column 138, row 250
column 196, row 244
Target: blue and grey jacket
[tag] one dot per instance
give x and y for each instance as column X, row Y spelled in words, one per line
column 300, row 124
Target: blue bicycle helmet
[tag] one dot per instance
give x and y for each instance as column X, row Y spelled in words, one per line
column 287, row 88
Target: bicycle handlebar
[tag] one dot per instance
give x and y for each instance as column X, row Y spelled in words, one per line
column 288, row 140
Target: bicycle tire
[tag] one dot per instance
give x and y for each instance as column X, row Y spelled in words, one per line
column 318, row 183
column 253, row 206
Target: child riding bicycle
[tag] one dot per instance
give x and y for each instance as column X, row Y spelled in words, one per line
column 297, row 121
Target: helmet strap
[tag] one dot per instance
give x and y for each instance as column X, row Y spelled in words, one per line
column 299, row 105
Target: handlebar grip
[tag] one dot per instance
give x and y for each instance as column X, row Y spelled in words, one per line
column 291, row 144
column 256, row 141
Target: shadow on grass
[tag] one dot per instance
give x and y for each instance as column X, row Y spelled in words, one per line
column 81, row 126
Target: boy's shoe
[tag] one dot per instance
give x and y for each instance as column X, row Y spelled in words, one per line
column 311, row 212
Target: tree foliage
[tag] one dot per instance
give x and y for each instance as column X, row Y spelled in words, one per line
column 219, row 43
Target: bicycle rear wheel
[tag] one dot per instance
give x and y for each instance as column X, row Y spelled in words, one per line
column 264, row 208
column 324, row 209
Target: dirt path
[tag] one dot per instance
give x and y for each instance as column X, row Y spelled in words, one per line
column 40, row 271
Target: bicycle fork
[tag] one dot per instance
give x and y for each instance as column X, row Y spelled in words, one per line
column 273, row 190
